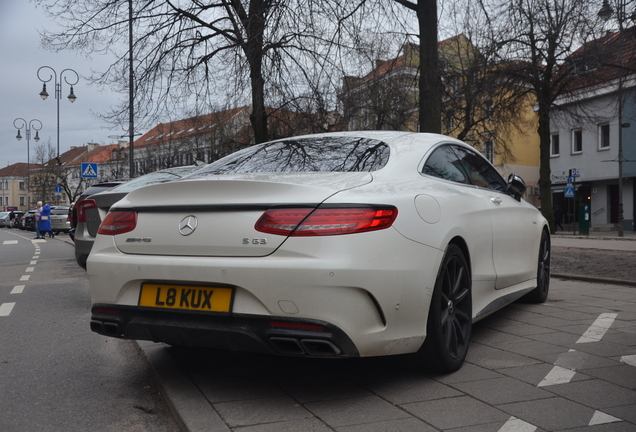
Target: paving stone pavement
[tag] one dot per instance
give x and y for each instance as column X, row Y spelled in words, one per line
column 566, row 365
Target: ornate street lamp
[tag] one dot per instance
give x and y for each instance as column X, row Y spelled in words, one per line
column 605, row 14
column 27, row 131
column 58, row 95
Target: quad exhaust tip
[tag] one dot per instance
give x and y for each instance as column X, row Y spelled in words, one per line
column 313, row 347
column 106, row 328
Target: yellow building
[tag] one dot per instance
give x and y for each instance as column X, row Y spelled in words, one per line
column 479, row 106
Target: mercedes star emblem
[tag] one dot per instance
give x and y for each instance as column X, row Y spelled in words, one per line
column 187, row 225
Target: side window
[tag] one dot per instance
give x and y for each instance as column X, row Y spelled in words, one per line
column 481, row 173
column 443, row 163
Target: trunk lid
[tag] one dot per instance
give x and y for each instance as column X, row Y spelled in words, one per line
column 216, row 216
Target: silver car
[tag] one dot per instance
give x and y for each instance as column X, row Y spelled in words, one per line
column 60, row 221
column 4, row 220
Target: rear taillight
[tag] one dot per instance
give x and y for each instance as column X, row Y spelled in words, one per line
column 118, row 222
column 303, row 222
column 82, row 206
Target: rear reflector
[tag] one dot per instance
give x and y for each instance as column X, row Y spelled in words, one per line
column 119, row 222
column 304, row 222
column 82, row 206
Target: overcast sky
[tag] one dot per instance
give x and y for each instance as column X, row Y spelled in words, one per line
column 21, row 57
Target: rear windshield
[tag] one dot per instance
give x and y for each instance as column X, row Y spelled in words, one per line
column 155, row 177
column 321, row 154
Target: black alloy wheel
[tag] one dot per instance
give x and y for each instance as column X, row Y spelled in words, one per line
column 540, row 293
column 450, row 317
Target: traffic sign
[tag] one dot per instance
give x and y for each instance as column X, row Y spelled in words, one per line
column 574, row 173
column 89, row 170
column 58, row 189
column 568, row 192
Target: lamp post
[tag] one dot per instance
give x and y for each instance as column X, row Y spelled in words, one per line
column 605, row 13
column 27, row 131
column 58, row 95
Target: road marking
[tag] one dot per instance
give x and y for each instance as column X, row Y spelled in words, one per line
column 30, row 269
column 33, row 263
column 25, row 278
column 8, row 242
column 18, row 289
column 35, row 257
column 6, row 308
column 558, row 375
column 601, row 418
column 597, row 330
column 630, row 360
column 516, row 425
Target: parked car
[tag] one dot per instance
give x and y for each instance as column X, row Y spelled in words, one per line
column 91, row 210
column 5, row 222
column 91, row 190
column 345, row 244
column 60, row 221
column 28, row 221
column 17, row 215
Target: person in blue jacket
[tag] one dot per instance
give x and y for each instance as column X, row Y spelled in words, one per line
column 45, row 221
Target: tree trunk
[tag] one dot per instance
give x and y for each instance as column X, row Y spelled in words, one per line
column 545, row 182
column 430, row 86
column 254, row 53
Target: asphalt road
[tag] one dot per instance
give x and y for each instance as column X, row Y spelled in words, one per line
column 55, row 374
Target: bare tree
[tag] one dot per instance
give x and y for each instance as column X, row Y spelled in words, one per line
column 43, row 180
column 188, row 52
column 535, row 39
column 480, row 100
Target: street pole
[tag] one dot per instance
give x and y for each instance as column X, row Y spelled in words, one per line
column 58, row 95
column 27, row 131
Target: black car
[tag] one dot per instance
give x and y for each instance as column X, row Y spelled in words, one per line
column 28, row 221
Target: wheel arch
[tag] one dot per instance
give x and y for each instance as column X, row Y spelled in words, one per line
column 461, row 243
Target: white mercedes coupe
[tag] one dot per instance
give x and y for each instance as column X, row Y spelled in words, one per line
column 337, row 245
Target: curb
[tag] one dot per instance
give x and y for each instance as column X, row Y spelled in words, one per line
column 593, row 279
column 592, row 237
column 187, row 404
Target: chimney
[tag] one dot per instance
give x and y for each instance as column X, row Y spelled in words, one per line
column 92, row 146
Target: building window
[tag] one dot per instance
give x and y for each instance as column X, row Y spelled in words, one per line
column 577, row 141
column 21, row 186
column 21, row 200
column 554, row 145
column 488, row 150
column 604, row 136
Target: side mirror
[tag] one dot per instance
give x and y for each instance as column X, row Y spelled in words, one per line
column 516, row 186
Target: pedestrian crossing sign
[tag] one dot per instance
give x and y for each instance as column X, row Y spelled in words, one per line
column 89, row 170
column 569, row 192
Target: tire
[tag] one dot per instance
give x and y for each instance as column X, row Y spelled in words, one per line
column 450, row 316
column 540, row 293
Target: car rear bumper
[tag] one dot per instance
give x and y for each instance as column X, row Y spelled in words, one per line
column 233, row 332
column 379, row 298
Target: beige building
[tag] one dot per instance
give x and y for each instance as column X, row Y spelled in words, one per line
column 14, row 186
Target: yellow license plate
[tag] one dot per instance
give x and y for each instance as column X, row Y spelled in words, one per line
column 186, row 297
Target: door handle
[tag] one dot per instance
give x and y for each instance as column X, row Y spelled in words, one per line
column 496, row 200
